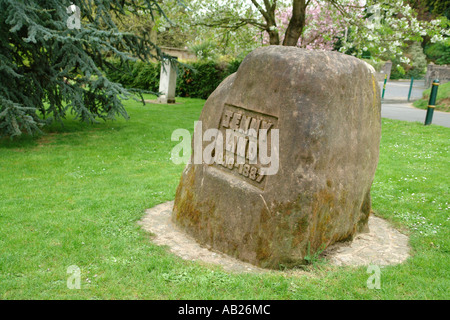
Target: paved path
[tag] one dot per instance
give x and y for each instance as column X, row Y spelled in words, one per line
column 397, row 91
column 395, row 104
column 405, row 111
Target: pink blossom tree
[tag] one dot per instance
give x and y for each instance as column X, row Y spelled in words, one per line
column 323, row 24
column 381, row 27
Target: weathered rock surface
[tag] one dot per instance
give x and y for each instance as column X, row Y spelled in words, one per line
column 326, row 108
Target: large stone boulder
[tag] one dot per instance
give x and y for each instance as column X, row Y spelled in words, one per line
column 325, row 107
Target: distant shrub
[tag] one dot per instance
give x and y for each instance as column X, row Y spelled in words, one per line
column 147, row 76
column 198, row 80
column 417, row 66
column 204, row 78
column 397, row 71
column 137, row 75
column 439, row 53
column 418, row 61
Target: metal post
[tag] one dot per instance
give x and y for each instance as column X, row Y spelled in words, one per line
column 410, row 88
column 432, row 102
column 384, row 86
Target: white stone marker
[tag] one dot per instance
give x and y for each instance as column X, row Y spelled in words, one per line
column 167, row 82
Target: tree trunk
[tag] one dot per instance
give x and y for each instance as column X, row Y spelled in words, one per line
column 274, row 37
column 296, row 24
column 268, row 12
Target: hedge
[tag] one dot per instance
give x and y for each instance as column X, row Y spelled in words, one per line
column 199, row 80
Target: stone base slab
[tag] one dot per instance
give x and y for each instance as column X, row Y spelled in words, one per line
column 383, row 245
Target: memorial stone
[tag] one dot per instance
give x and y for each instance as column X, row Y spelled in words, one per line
column 316, row 116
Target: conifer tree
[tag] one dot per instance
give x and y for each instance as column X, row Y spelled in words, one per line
column 52, row 57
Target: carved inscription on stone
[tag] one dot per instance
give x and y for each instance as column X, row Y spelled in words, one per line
column 243, row 133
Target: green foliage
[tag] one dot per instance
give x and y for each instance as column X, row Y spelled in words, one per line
column 397, row 71
column 415, row 67
column 314, row 258
column 204, row 50
column 439, row 53
column 204, row 78
column 48, row 69
column 418, row 65
column 136, row 75
column 147, row 76
column 197, row 79
column 439, row 7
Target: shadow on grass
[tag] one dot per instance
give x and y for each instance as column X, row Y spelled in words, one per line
column 75, row 132
column 70, row 131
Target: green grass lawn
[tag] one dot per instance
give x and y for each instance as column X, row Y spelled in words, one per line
column 442, row 99
column 74, row 196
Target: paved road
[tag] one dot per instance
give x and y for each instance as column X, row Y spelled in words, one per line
column 405, row 111
column 395, row 104
column 397, row 91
